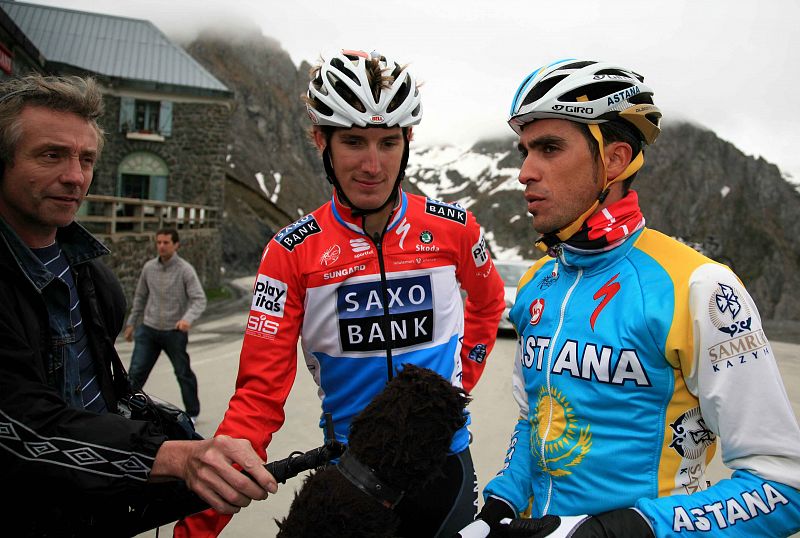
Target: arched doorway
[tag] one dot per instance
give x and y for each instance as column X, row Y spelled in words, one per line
column 142, row 175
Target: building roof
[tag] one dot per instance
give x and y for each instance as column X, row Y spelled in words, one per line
column 112, row 46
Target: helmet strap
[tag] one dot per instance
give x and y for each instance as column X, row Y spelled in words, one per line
column 549, row 240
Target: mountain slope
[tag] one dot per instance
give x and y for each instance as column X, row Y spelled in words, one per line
column 695, row 186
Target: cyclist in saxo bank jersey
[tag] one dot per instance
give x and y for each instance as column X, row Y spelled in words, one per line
column 637, row 355
column 369, row 281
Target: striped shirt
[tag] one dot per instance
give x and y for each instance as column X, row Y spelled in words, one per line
column 56, row 262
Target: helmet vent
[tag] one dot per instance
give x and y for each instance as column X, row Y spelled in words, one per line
column 345, row 92
column 596, row 90
column 321, row 107
column 575, row 65
column 338, row 64
column 542, row 88
column 401, row 95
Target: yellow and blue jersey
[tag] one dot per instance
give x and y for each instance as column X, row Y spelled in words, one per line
column 633, row 364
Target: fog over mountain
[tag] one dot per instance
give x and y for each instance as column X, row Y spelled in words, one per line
column 696, row 187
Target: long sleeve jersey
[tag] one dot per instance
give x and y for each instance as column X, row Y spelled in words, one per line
column 166, row 293
column 362, row 307
column 633, row 364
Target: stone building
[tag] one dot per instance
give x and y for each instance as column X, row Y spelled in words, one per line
column 17, row 54
column 167, row 124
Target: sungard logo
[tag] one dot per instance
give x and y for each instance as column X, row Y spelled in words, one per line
column 360, row 310
column 269, row 296
column 344, row 272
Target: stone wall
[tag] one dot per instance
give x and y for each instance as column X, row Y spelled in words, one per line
column 201, row 248
column 195, row 152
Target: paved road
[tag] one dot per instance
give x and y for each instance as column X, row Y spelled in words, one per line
column 214, row 347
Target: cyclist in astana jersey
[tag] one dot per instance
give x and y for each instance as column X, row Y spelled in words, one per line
column 637, row 356
column 370, row 281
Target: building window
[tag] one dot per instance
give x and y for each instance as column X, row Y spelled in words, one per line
column 143, row 116
column 142, row 175
column 146, row 116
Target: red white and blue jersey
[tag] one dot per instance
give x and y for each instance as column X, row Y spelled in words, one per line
column 633, row 364
column 362, row 307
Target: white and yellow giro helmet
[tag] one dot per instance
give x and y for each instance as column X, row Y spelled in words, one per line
column 587, row 92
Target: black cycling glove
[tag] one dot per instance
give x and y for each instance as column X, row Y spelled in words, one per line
column 495, row 521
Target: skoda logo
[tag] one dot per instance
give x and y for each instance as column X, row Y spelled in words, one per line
column 426, row 237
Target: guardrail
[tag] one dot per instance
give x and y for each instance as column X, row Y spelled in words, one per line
column 113, row 215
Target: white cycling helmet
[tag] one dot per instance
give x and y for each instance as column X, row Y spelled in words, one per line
column 341, row 95
column 587, row 92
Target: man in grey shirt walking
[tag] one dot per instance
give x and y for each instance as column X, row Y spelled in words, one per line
column 168, row 299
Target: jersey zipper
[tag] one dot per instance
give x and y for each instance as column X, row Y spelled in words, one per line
column 386, row 318
column 548, row 366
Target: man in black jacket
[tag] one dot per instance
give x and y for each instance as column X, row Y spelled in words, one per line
column 69, row 462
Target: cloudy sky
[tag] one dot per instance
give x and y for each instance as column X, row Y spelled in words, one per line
column 728, row 65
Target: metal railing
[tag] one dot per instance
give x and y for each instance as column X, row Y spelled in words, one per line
column 113, row 215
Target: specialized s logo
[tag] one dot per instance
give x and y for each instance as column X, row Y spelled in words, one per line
column 607, row 292
column 555, row 428
column 297, row 232
column 360, row 311
column 402, row 231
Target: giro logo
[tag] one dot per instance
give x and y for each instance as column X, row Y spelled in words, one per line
column 573, row 109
